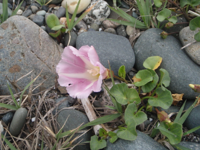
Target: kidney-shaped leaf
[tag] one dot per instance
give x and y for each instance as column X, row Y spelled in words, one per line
column 134, row 118
column 163, row 14
column 96, row 144
column 58, row 27
column 194, row 23
column 152, row 62
column 163, row 99
column 173, row 19
column 123, row 94
column 152, row 84
column 122, row 72
column 158, row 3
column 128, row 133
column 142, row 77
column 52, row 20
column 189, row 2
column 173, row 132
column 197, row 36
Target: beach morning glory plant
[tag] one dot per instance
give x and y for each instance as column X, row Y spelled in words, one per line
column 80, row 71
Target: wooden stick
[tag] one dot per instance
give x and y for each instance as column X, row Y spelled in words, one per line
column 90, row 113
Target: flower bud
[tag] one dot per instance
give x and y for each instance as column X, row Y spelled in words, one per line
column 195, row 87
column 164, row 34
column 169, row 25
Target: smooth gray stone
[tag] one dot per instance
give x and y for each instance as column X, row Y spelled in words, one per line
column 81, row 24
column 121, row 31
column 61, row 12
column 182, row 70
column 191, row 145
column 72, row 40
column 41, row 13
column 62, row 105
column 74, row 119
column 7, row 118
column 39, row 20
column 187, row 36
column 114, row 48
column 134, row 15
column 27, row 13
column 1, row 10
column 143, row 142
column 34, row 9
column 193, row 120
column 45, row 7
column 18, row 121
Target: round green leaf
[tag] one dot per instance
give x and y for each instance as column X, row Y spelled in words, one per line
column 152, row 62
column 173, row 132
column 164, row 78
column 197, row 36
column 152, row 84
column 163, row 99
column 143, row 77
column 123, row 94
column 189, row 2
column 128, row 133
column 194, row 23
column 96, row 144
column 164, row 14
column 52, row 20
column 157, row 3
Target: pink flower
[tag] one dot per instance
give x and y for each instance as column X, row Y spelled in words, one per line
column 80, row 71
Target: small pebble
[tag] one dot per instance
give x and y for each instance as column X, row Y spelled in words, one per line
column 7, row 118
column 94, row 26
column 110, row 30
column 19, row 12
column 121, row 31
column 41, row 13
column 34, row 9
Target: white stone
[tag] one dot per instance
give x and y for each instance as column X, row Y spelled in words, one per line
column 19, row 12
column 72, row 5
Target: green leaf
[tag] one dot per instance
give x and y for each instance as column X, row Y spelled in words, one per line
column 101, row 120
column 186, row 114
column 96, row 144
column 7, row 142
column 113, row 136
column 13, row 98
column 128, row 133
column 70, row 26
column 134, row 118
column 163, row 14
column 157, row 3
column 191, row 130
column 58, row 27
column 5, row 10
column 163, row 99
column 173, row 19
column 194, row 23
column 130, row 20
column 56, row 34
column 152, row 84
column 152, row 62
column 16, row 9
column 12, row 107
column 102, row 132
column 180, row 147
column 123, row 94
column 173, row 132
column 164, row 78
column 52, row 21
column 189, row 2
column 154, row 132
column 178, row 116
column 142, row 77
column 197, row 36
column 122, row 72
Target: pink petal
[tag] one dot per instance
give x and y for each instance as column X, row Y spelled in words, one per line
column 93, row 57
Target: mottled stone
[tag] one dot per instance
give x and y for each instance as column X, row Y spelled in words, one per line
column 187, row 36
column 121, row 31
column 39, row 20
column 182, row 70
column 34, row 50
column 190, row 145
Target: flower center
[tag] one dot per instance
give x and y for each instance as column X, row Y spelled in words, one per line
column 94, row 71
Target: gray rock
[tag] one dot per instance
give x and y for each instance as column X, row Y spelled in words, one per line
column 130, row 30
column 110, row 30
column 41, row 13
column 99, row 13
column 23, row 6
column 191, row 145
column 44, row 28
column 81, row 24
column 121, row 31
column 61, row 12
column 142, row 142
column 134, row 15
column 72, row 40
column 27, row 13
column 39, row 20
column 36, row 4
column 32, row 16
column 45, row 8
column 193, row 120
column 94, row 26
column 171, row 109
column 18, row 121
column 74, row 119
column 22, row 53
column 34, row 9
column 114, row 48
column 182, row 70
column 7, row 118
column 62, row 105
column 1, row 10
column 187, row 36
